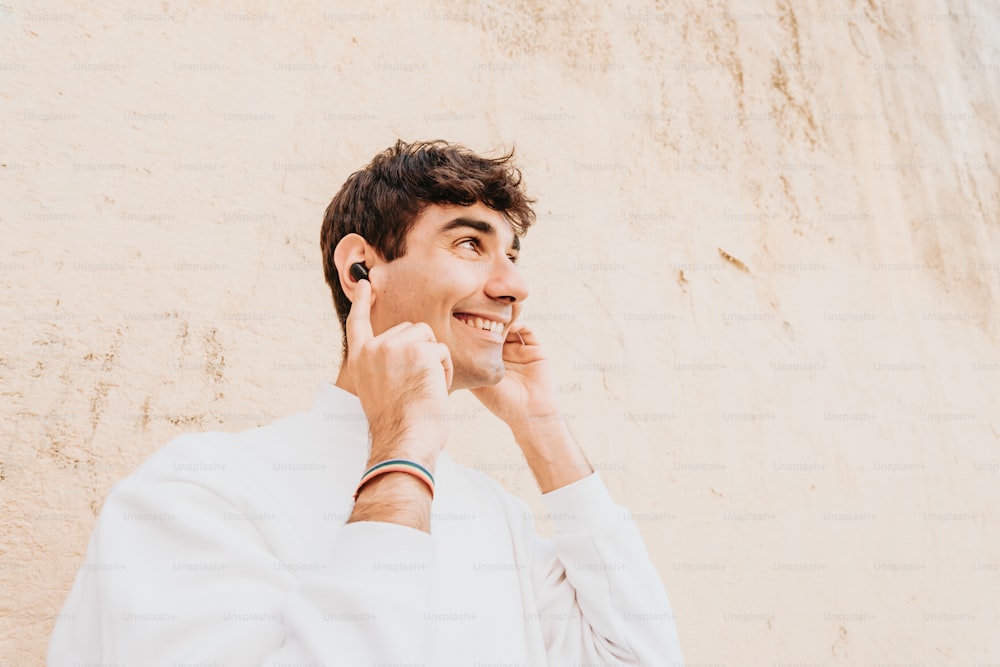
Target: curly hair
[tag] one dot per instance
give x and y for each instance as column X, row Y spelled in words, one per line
column 382, row 201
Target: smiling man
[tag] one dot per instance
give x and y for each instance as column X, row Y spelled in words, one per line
column 345, row 534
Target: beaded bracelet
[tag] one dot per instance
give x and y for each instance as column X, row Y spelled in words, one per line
column 397, row 465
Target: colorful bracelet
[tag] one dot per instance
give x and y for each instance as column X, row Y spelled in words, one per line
column 397, row 465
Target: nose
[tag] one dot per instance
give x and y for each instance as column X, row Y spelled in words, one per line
column 506, row 282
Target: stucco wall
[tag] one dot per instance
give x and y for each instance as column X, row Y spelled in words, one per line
column 767, row 263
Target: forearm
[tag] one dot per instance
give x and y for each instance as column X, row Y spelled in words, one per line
column 555, row 459
column 395, row 497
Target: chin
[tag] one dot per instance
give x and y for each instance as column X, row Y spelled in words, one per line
column 480, row 377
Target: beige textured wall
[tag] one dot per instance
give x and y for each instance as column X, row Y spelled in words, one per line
column 767, row 262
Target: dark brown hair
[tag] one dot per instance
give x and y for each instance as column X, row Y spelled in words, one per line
column 383, row 200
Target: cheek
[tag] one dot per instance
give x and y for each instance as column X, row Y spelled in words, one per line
column 416, row 296
column 429, row 287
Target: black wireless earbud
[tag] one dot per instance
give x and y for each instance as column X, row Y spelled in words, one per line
column 358, row 271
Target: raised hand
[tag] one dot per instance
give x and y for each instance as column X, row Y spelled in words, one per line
column 402, row 377
column 526, row 397
column 526, row 400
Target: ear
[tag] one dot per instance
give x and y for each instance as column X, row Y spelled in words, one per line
column 352, row 248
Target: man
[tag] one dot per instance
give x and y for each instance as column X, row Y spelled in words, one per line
column 345, row 535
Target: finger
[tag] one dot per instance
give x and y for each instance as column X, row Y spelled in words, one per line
column 449, row 370
column 393, row 330
column 409, row 331
column 520, row 333
column 359, row 324
column 421, row 332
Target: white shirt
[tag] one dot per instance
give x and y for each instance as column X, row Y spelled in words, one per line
column 232, row 549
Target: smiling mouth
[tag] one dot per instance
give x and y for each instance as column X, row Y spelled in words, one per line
column 490, row 328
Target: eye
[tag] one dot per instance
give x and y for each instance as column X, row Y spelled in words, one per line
column 473, row 241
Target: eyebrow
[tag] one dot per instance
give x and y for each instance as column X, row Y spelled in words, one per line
column 479, row 226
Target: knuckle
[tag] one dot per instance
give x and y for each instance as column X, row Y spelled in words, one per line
column 424, row 328
column 364, row 350
column 396, row 345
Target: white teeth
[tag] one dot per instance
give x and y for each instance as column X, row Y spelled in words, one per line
column 480, row 323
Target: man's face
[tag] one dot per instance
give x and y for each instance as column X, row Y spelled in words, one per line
column 452, row 273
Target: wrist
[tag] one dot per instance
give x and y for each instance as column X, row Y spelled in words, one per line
column 393, row 485
column 397, row 465
column 394, row 497
column 537, row 431
column 423, row 450
column 552, row 454
column 401, row 451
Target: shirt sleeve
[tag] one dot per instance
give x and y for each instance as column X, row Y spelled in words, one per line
column 600, row 600
column 175, row 573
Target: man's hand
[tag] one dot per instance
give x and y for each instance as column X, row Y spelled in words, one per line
column 525, row 399
column 402, row 378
